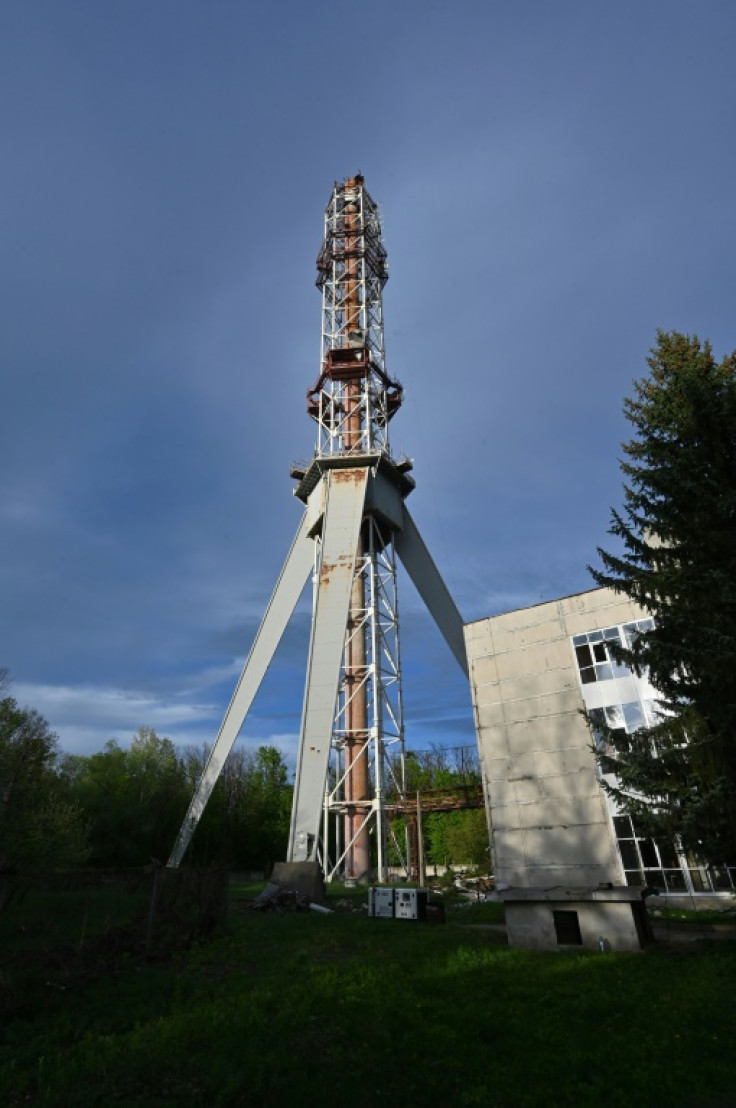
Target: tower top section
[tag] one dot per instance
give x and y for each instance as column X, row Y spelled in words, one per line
column 354, row 398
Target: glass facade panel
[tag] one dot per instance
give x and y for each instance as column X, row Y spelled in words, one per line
column 634, row 716
column 629, row 855
column 648, row 854
column 720, row 877
column 622, row 827
column 651, row 712
column 698, row 882
column 614, row 717
column 668, row 855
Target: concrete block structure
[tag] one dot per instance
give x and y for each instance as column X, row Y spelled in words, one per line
column 551, row 825
column 603, row 919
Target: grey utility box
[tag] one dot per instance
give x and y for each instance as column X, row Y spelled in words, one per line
column 381, row 903
column 410, row 904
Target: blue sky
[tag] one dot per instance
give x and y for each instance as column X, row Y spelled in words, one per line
column 556, row 182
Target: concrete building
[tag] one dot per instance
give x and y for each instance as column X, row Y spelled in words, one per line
column 533, row 672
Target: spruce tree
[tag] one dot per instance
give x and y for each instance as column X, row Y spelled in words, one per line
column 678, row 528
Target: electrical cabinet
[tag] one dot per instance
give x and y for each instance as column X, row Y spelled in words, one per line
column 410, row 904
column 398, row 903
column 381, row 903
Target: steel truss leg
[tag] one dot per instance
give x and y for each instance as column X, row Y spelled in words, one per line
column 291, row 582
column 343, row 514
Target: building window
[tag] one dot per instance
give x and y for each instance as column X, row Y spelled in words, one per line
column 644, row 862
column 594, row 655
column 662, row 865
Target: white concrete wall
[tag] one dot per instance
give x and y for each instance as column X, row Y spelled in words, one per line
column 532, row 927
column 548, row 819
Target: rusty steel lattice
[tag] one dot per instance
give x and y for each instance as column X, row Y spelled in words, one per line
column 353, row 402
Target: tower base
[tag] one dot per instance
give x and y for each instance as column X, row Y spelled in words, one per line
column 303, row 878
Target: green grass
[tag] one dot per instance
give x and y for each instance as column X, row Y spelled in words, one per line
column 317, row 1010
column 38, row 919
column 471, row 911
column 695, row 916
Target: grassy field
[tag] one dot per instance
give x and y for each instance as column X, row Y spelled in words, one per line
column 315, row 1009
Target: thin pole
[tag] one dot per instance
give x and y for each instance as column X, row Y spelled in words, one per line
column 421, row 872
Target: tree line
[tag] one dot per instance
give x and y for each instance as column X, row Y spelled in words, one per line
column 122, row 807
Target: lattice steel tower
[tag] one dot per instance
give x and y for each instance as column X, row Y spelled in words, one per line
column 355, row 523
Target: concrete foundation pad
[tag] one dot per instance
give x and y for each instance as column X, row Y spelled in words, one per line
column 599, row 918
column 303, row 878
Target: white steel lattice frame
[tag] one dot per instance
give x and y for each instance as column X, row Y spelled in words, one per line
column 380, row 683
column 352, row 271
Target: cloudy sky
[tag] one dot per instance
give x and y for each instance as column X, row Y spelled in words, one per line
column 556, row 182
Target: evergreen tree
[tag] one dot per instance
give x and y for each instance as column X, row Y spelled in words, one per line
column 678, row 528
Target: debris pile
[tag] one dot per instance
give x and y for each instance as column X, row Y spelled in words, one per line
column 274, row 898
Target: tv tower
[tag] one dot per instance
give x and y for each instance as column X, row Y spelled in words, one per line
column 354, row 525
